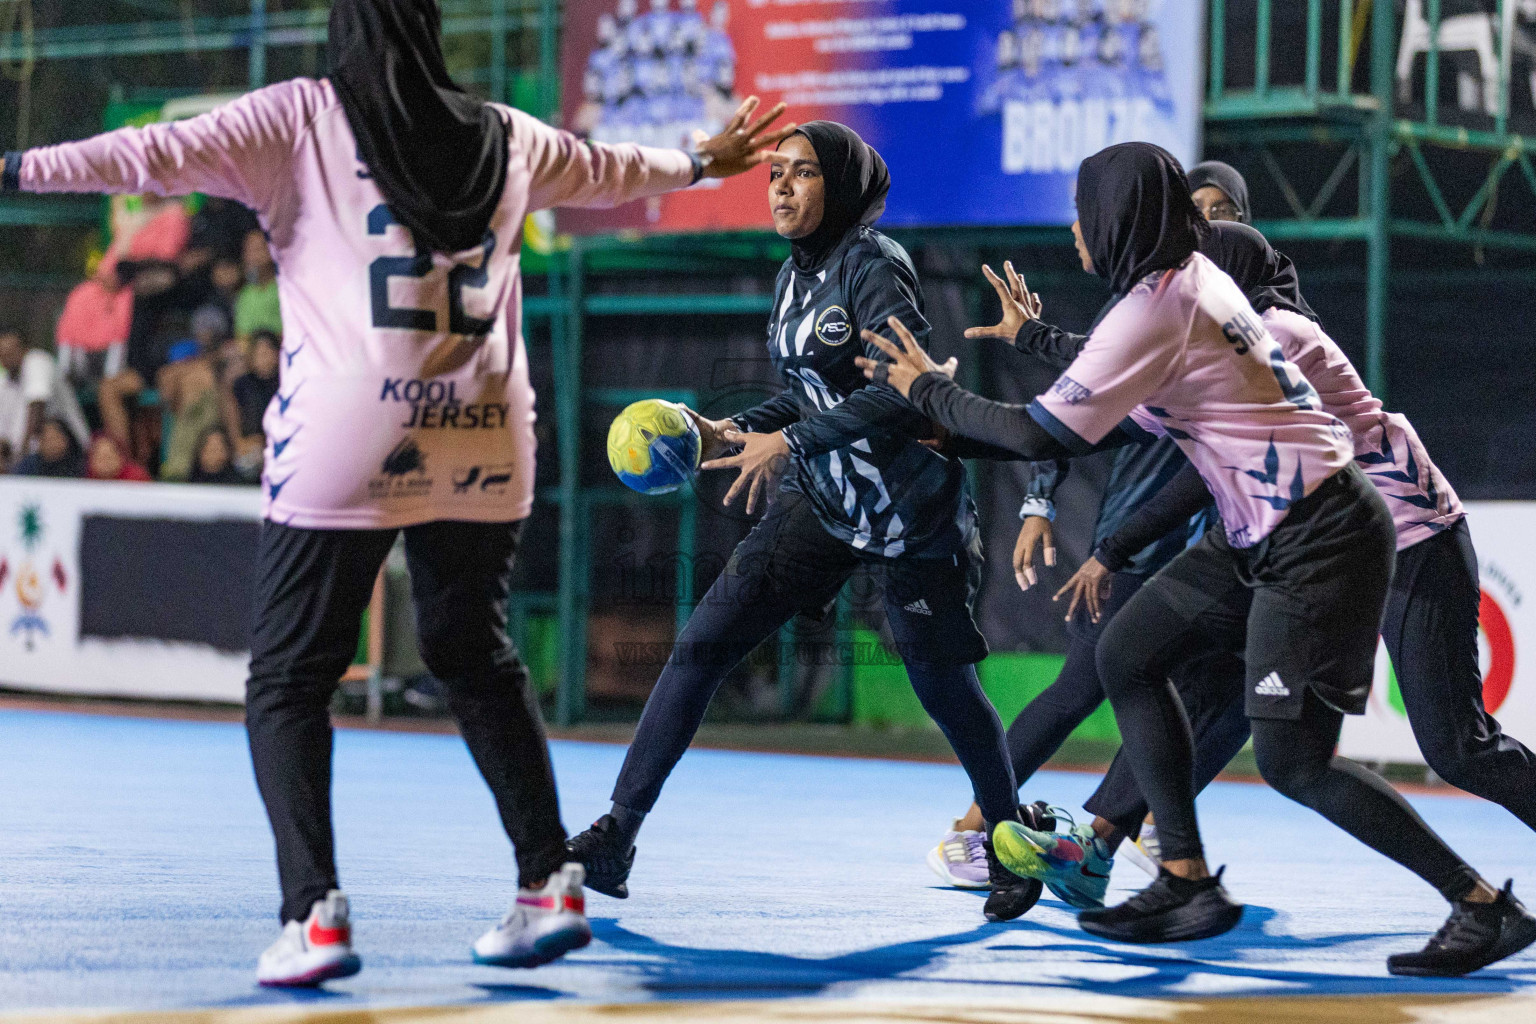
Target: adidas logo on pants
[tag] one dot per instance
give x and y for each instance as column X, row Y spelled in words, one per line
column 1272, row 686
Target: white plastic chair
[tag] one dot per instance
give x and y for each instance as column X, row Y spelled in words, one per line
column 1474, row 33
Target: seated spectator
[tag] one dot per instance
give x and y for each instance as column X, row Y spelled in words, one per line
column 31, row 390
column 108, row 461
column 189, row 391
column 247, row 401
column 58, row 453
column 169, row 278
column 215, row 460
column 258, row 308
column 92, row 333
column 220, row 227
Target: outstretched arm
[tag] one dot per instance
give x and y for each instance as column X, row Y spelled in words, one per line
column 568, row 171
column 926, row 385
column 240, row 151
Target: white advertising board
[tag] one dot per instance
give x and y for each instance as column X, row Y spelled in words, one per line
column 1504, row 534
column 40, row 589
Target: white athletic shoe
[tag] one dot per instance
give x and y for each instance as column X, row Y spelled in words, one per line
column 543, row 925
column 960, row 858
column 316, row 949
column 1145, row 852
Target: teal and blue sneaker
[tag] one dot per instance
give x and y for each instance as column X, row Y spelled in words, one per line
column 1074, row 865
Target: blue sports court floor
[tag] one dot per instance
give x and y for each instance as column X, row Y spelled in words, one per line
column 137, row 876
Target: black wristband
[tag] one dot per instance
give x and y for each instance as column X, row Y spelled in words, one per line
column 698, row 168
column 10, row 181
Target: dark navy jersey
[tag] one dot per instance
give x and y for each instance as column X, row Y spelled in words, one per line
column 856, row 454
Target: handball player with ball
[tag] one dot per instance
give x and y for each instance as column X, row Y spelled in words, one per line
column 851, row 485
column 394, row 203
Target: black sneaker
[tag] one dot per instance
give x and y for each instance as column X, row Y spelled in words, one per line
column 1171, row 909
column 1474, row 936
column 1011, row 896
column 598, row 849
column 1038, row 816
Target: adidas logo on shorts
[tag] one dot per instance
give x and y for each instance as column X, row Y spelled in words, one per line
column 919, row 607
column 1272, row 686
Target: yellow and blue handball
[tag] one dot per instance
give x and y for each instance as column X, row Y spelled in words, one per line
column 653, row 446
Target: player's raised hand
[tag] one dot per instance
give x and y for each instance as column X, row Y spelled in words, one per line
column 745, row 143
column 1020, row 305
column 908, row 360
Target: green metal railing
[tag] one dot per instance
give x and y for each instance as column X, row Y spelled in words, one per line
column 1365, row 124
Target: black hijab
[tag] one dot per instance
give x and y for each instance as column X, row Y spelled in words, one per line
column 1228, row 179
column 1267, row 277
column 438, row 154
column 1136, row 215
column 856, row 182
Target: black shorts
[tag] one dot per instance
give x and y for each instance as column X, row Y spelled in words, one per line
column 928, row 602
column 1303, row 606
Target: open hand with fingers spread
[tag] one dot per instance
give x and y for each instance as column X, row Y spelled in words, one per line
column 762, row 460
column 745, row 143
column 908, row 360
column 1020, row 305
column 1088, row 586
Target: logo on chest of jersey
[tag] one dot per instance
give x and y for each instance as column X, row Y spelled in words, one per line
column 435, row 405
column 833, row 326
column 402, row 474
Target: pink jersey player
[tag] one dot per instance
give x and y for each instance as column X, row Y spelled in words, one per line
column 405, row 395
column 1387, row 447
column 1184, row 354
column 394, row 203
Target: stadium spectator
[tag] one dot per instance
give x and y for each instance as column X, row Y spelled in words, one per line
column 248, row 398
column 220, row 227
column 172, row 274
column 189, row 390
column 108, row 460
column 258, row 308
column 58, row 453
column 31, row 390
column 92, row 332
column 215, row 460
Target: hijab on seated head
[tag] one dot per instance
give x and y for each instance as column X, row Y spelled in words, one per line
column 1267, row 278
column 438, row 154
column 1135, row 211
column 1225, row 177
column 856, row 182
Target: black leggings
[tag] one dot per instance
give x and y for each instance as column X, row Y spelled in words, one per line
column 1220, row 726
column 789, row 563
column 1304, row 609
column 312, row 590
column 1430, row 629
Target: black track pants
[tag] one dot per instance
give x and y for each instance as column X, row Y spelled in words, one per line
column 313, row 588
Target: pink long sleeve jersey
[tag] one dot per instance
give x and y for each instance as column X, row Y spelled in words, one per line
column 404, row 394
column 1387, row 447
column 1184, row 354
